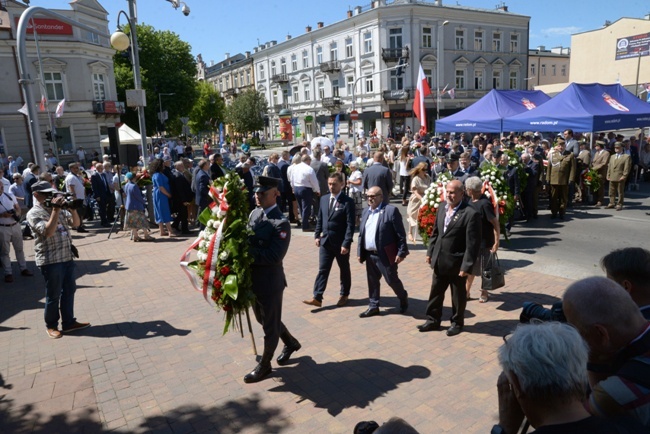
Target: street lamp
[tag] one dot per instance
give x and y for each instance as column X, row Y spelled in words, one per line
column 440, row 60
column 160, row 110
column 120, row 41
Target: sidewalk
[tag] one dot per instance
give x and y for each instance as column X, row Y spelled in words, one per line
column 154, row 359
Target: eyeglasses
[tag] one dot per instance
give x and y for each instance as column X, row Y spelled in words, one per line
column 372, row 196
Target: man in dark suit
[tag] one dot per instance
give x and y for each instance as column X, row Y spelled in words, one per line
column 423, row 158
column 528, row 196
column 334, row 231
column 216, row 169
column 202, row 187
column 286, row 193
column 322, row 173
column 378, row 175
column 268, row 246
column 453, row 248
column 101, row 192
column 382, row 246
column 181, row 197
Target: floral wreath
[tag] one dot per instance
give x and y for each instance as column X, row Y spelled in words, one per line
column 223, row 263
column 431, row 199
column 496, row 189
column 592, row 179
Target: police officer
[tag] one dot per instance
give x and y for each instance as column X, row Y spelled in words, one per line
column 268, row 245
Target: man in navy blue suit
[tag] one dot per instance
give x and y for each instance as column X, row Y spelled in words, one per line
column 202, row 187
column 334, row 231
column 382, row 246
column 101, row 192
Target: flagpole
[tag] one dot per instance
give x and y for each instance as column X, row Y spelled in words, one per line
column 439, row 62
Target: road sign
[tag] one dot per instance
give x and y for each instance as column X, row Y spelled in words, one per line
column 354, row 115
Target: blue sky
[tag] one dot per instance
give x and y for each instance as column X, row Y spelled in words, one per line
column 216, row 27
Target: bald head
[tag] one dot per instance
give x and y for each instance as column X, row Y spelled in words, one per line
column 378, row 157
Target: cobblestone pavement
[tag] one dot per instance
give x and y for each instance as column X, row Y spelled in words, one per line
column 155, row 359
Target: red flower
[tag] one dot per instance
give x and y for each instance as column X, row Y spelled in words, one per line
column 225, row 270
column 214, row 297
column 217, row 284
column 227, row 308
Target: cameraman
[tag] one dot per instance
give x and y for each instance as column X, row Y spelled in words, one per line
column 11, row 234
column 54, row 255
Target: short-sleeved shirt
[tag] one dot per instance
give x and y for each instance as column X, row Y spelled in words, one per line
column 484, row 207
column 57, row 248
column 79, row 189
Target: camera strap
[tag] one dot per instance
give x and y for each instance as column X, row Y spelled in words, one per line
column 7, row 209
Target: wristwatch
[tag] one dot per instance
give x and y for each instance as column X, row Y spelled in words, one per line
column 497, row 429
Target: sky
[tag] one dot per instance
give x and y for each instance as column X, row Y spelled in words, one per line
column 216, row 27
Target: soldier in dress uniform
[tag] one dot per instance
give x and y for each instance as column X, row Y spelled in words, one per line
column 560, row 172
column 268, row 246
column 599, row 163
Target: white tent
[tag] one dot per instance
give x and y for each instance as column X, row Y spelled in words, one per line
column 127, row 135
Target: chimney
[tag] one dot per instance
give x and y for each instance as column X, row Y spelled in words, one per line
column 255, row 49
column 288, row 37
column 308, row 29
column 273, row 43
column 542, row 48
column 320, row 24
column 437, row 3
column 227, row 55
column 212, row 63
column 248, row 54
column 349, row 14
column 357, row 10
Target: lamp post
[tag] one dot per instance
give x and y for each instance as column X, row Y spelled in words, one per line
column 120, row 41
column 160, row 110
column 439, row 61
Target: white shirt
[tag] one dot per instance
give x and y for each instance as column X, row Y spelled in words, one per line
column 327, row 158
column 353, row 177
column 79, row 189
column 303, row 175
column 371, row 228
column 7, row 202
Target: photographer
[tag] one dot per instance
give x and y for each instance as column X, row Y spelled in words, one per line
column 11, row 234
column 54, row 252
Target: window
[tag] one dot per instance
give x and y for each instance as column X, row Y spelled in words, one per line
column 319, row 55
column 532, row 70
column 227, row 82
column 334, row 51
column 496, row 41
column 221, row 85
column 261, row 72
column 248, row 77
column 305, row 59
column 478, row 79
column 283, row 66
column 92, row 37
column 396, row 82
column 307, row 92
column 335, row 88
column 514, row 43
column 235, row 82
column 496, row 79
column 241, row 78
column 275, row 96
column 460, row 79
column 348, row 48
column 460, row 39
column 395, row 38
column 478, row 40
column 285, row 96
column 294, row 63
column 563, row 70
column 54, row 85
column 369, row 85
column 428, row 73
column 426, row 37
column 98, row 87
column 349, row 84
column 367, row 42
column 514, row 80
column 296, row 95
column 553, row 70
column 543, row 69
column 321, row 90
column 272, row 68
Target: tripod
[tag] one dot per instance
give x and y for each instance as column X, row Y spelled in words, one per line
column 120, row 212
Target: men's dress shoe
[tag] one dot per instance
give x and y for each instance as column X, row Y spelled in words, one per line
column 286, row 353
column 75, row 326
column 429, row 326
column 26, row 272
column 619, row 207
column 82, row 230
column 309, row 230
column 561, row 216
column 553, row 216
column 9, row 278
column 610, row 206
column 258, row 374
column 403, row 305
column 313, row 302
column 454, row 330
column 53, row 333
column 342, row 301
column 374, row 311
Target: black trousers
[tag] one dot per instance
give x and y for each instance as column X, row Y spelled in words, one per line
column 268, row 313
column 181, row 219
column 102, row 203
column 326, row 256
column 375, row 269
column 439, row 286
column 405, row 186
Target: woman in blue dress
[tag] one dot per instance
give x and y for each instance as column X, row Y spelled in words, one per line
column 161, row 196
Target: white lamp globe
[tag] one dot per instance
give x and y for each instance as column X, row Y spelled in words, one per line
column 120, row 41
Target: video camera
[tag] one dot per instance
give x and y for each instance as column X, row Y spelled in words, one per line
column 70, row 202
column 533, row 310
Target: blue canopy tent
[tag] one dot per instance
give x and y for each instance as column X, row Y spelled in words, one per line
column 585, row 108
column 486, row 114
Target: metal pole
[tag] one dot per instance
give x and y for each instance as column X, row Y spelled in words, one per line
column 137, row 80
column 439, row 62
column 638, row 68
column 25, row 79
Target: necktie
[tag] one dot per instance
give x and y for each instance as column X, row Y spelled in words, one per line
column 332, row 200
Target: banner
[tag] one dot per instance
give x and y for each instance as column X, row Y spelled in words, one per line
column 633, row 46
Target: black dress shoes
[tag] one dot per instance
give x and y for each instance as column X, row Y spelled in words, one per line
column 260, row 372
column 454, row 330
column 429, row 326
column 404, row 305
column 374, row 311
column 286, row 353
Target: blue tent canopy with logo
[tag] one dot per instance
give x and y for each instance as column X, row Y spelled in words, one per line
column 486, row 114
column 585, row 108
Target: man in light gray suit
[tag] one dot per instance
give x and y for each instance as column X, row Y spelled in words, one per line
column 322, row 174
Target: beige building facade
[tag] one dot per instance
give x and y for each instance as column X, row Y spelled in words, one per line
column 548, row 66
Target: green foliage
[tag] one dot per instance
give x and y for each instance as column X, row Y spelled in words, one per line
column 246, row 113
column 209, row 109
column 166, row 66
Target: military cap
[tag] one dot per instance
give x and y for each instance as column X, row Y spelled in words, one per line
column 454, row 156
column 618, row 144
column 601, row 143
column 265, row 183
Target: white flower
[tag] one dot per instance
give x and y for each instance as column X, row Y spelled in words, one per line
column 201, row 256
column 492, row 177
column 436, row 206
column 224, row 255
column 222, row 212
column 487, row 194
column 505, row 197
column 201, row 234
column 498, row 181
column 438, row 200
column 203, row 244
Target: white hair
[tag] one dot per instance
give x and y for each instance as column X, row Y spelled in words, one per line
column 473, row 183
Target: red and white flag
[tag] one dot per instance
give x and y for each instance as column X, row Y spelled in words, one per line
column 452, row 93
column 421, row 91
column 60, row 107
column 41, row 106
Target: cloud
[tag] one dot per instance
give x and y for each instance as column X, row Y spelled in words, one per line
column 561, row 31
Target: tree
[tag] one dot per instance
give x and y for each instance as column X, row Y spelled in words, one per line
column 166, row 66
column 208, row 111
column 246, row 113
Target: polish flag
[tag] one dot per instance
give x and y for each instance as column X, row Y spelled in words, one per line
column 452, row 93
column 42, row 104
column 59, row 108
column 421, row 92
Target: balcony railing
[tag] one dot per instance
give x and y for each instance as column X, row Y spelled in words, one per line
column 330, row 67
column 108, row 107
column 278, row 107
column 331, row 102
column 392, row 55
column 280, row 78
column 231, row 92
column 396, row 95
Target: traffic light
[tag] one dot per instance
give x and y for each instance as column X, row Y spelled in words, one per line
column 48, row 136
column 266, row 121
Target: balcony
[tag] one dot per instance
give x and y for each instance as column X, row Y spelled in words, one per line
column 280, row 78
column 333, row 66
column 278, row 107
column 108, row 107
column 231, row 92
column 396, row 95
column 392, row 55
column 331, row 102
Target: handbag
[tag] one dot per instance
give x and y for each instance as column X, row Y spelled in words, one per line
column 493, row 276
